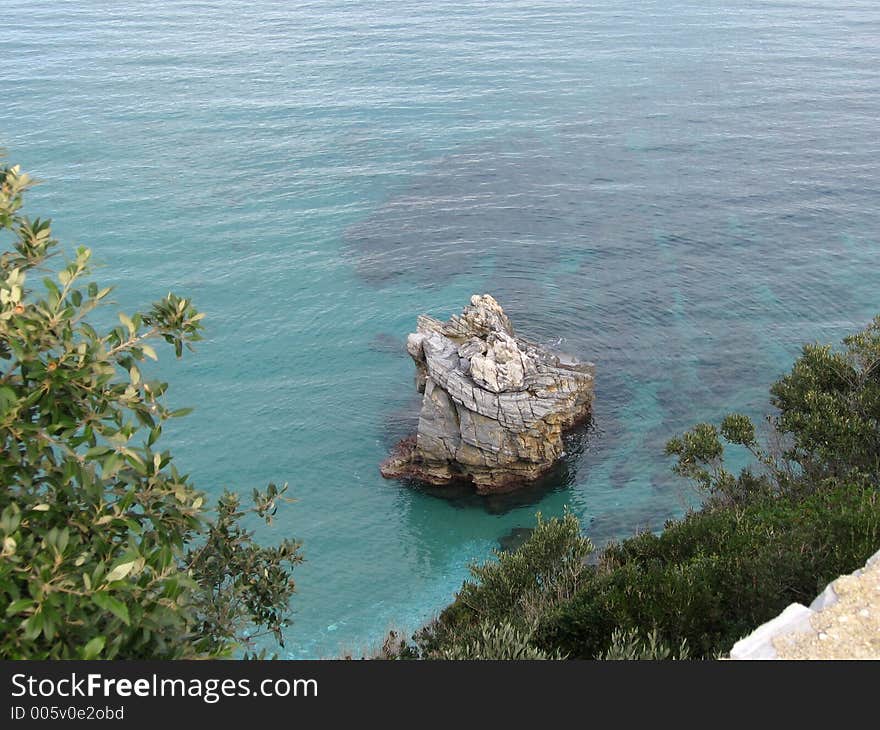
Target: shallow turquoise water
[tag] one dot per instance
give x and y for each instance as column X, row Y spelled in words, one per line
column 682, row 191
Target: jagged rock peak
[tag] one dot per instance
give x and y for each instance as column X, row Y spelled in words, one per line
column 482, row 316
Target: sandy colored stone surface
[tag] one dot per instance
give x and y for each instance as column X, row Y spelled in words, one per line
column 848, row 629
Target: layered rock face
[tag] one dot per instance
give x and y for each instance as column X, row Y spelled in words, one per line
column 495, row 405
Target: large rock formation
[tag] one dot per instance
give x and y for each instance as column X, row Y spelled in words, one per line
column 495, row 405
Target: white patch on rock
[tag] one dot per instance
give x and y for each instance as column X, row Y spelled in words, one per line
column 759, row 644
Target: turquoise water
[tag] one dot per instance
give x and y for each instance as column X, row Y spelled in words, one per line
column 683, row 191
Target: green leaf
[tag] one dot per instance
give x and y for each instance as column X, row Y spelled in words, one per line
column 111, row 465
column 114, row 605
column 8, row 399
column 33, row 626
column 94, row 647
column 19, row 606
column 126, row 321
column 120, row 571
column 97, row 452
column 50, row 285
column 134, row 526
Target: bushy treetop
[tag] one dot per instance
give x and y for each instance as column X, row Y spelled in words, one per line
column 107, row 550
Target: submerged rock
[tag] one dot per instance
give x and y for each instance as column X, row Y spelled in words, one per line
column 515, row 538
column 494, row 406
column 383, row 342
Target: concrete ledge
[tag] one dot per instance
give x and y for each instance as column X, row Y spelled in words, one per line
column 759, row 644
column 797, row 626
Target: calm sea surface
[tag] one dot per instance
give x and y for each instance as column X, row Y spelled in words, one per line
column 683, row 191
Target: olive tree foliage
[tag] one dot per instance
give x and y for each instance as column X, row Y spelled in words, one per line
column 630, row 645
column 826, row 428
column 547, row 568
column 496, row 613
column 106, row 550
column 501, row 642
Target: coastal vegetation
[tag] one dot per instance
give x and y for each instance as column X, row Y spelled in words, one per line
column 106, row 550
column 803, row 512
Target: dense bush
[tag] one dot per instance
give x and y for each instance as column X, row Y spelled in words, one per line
column 106, row 550
column 495, row 642
column 826, row 426
column 714, row 576
column 513, row 590
column 690, row 592
column 829, row 408
column 631, row 645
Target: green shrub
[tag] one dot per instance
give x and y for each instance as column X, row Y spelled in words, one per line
column 829, row 407
column 630, row 645
column 827, row 426
column 692, row 591
column 715, row 575
column 501, row 641
column 514, row 589
column 106, row 550
column 549, row 565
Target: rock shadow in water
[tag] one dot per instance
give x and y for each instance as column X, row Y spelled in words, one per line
column 514, row 538
column 400, row 423
column 388, row 344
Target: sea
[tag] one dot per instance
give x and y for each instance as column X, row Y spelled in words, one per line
column 682, row 191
